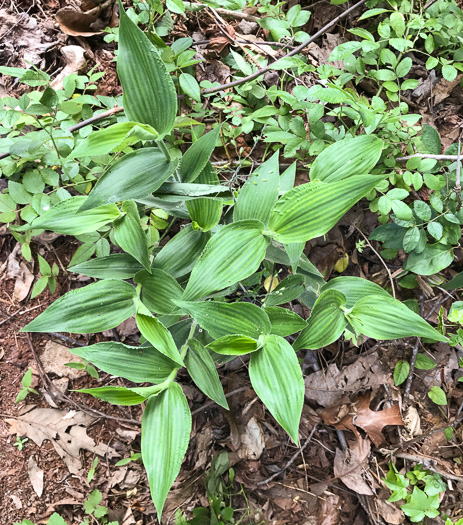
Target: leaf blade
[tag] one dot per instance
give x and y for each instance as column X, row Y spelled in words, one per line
column 94, row 308
column 166, row 428
column 277, row 379
column 149, row 94
column 312, row 209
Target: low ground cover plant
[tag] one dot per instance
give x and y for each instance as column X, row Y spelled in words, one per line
column 198, row 299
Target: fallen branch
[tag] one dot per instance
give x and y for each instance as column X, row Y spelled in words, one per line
column 295, row 51
column 291, row 461
column 428, row 156
column 410, row 373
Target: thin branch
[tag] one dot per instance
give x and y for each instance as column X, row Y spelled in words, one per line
column 426, row 462
column 428, row 156
column 295, row 51
column 391, row 280
column 410, row 373
column 291, row 461
column 457, row 179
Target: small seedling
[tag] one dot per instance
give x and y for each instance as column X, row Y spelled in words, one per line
column 85, row 365
column 26, row 387
column 91, row 472
column 20, row 441
column 423, row 500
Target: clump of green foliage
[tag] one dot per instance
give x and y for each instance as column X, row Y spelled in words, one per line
column 200, row 300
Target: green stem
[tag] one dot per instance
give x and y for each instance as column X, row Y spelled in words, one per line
column 183, row 351
column 164, row 149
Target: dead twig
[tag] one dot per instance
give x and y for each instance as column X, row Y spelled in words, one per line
column 55, row 393
column 428, row 156
column 427, row 462
column 213, row 403
column 391, row 280
column 295, row 51
column 291, row 461
column 410, row 373
column 457, row 178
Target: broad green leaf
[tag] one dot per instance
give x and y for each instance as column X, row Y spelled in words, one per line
column 67, row 218
column 432, row 260
column 294, row 251
column 94, row 308
column 401, row 371
column 221, row 319
column 205, row 212
column 326, row 322
column 385, row 318
column 277, row 379
column 343, row 50
column 233, row 345
column 129, row 235
column 278, row 255
column 118, row 136
column 190, row 244
column 347, row 157
column 287, row 178
column 159, row 291
column 165, row 434
column 372, row 12
column 232, row 254
column 134, row 176
column 197, row 156
column 114, row 266
column 420, row 505
column 157, row 334
column 284, row 322
column 149, row 94
column 201, row 368
column 354, row 288
column 260, row 192
column 456, row 282
column 115, row 395
column 431, row 140
column 437, row 395
column 287, row 290
column 423, row 362
column 312, row 209
column 190, row 86
column 140, row 364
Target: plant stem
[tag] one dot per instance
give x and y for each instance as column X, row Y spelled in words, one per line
column 164, row 149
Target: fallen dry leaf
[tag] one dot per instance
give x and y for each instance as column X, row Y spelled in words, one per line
column 76, row 23
column 18, row 270
column 391, row 514
column 252, row 440
column 35, row 475
column 373, row 422
column 412, row 421
column 351, row 465
column 328, row 387
column 358, row 413
column 66, row 431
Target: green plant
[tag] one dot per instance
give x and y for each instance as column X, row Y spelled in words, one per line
column 20, row 442
column 95, row 512
column 219, row 482
column 26, row 387
column 420, row 489
column 222, row 249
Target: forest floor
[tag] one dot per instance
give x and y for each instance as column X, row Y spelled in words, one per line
column 334, row 478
